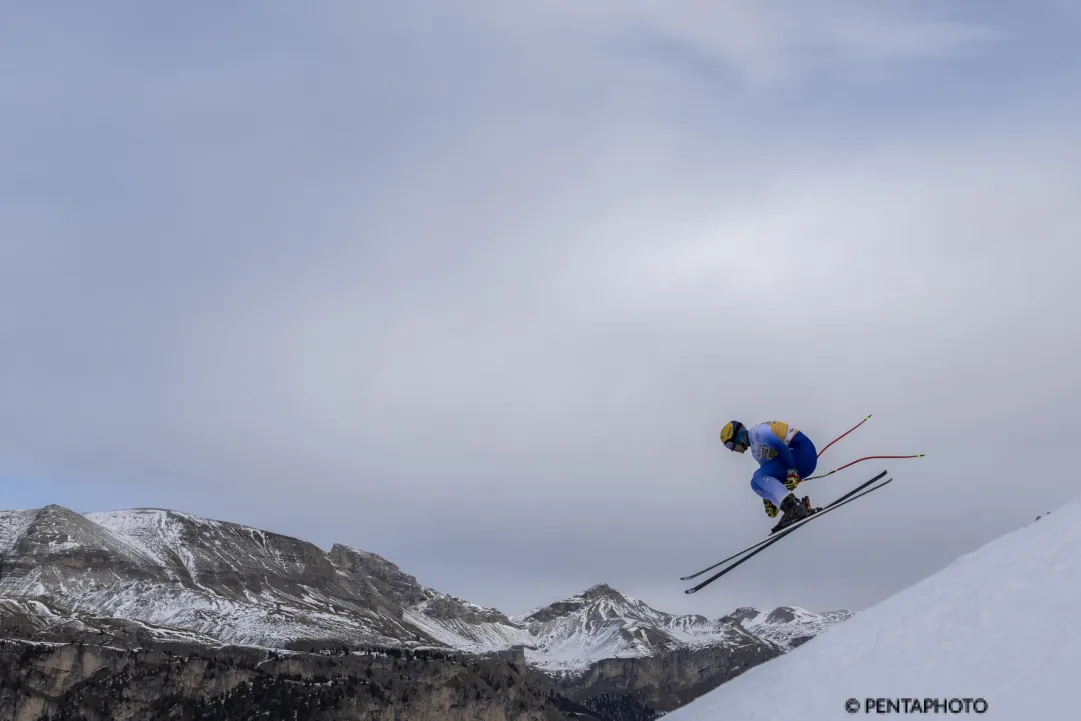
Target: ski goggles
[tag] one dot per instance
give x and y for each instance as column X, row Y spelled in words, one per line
column 732, row 445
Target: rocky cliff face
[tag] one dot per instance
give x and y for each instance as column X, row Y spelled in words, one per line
column 665, row 682
column 92, row 683
column 151, row 578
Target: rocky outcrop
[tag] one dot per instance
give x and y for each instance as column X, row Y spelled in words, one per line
column 59, row 682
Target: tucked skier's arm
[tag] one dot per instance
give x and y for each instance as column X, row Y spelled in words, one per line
column 781, row 448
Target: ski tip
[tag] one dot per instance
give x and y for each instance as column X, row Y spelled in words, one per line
column 689, row 590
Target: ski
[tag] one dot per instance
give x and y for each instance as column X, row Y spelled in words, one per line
column 784, row 532
column 773, row 536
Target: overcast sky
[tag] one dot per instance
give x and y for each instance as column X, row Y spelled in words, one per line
column 475, row 285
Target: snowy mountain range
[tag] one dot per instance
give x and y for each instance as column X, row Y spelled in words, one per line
column 179, row 576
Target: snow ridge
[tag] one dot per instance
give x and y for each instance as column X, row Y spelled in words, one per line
column 996, row 627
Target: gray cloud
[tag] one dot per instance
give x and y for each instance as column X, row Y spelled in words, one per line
column 780, row 41
column 477, row 290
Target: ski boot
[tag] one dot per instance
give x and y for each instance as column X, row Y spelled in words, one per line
column 794, row 510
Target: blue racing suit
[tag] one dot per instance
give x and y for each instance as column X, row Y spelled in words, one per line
column 778, row 448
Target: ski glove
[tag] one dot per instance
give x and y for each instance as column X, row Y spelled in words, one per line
column 771, row 510
column 792, row 480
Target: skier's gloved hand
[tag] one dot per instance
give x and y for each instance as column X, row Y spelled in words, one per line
column 792, row 480
column 771, row 510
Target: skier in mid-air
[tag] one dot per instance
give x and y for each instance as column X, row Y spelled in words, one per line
column 783, row 452
column 785, row 457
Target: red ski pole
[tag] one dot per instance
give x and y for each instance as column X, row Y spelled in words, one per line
column 917, row 455
column 844, row 434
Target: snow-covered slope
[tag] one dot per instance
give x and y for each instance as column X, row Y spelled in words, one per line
column 34, row 619
column 235, row 583
column 244, row 586
column 998, row 625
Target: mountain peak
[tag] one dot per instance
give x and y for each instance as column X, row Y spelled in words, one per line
column 602, row 590
column 742, row 614
column 783, row 614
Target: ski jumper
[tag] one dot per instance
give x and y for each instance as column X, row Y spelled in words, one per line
column 778, row 447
